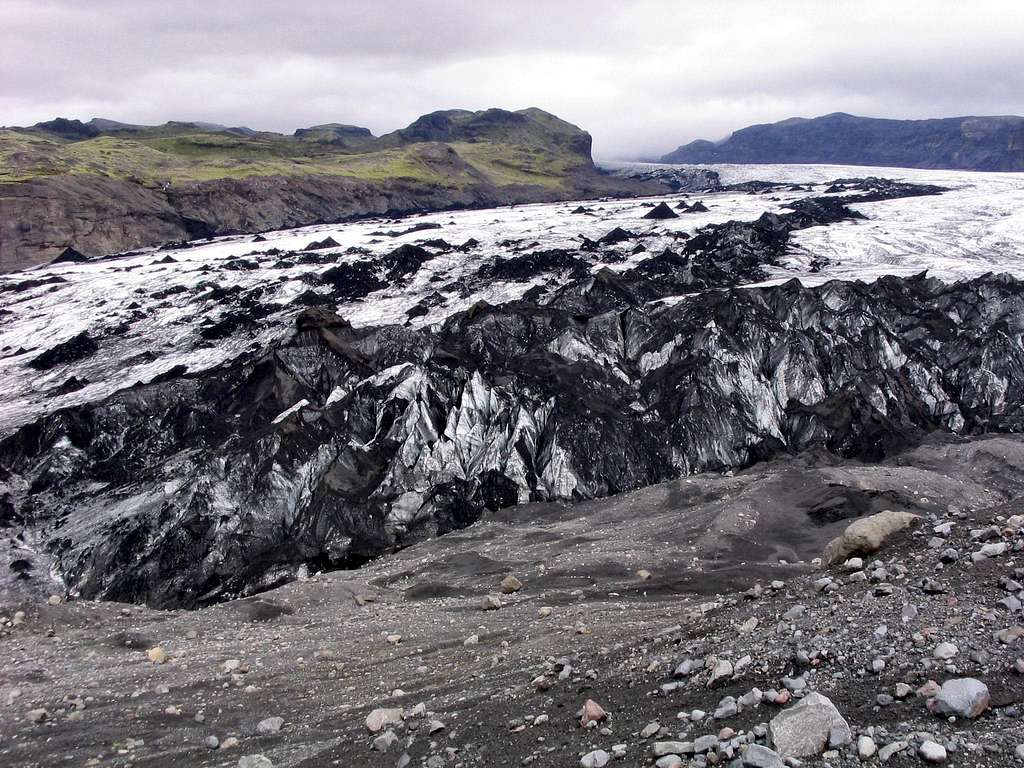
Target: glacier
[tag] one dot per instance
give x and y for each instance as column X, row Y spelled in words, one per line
column 195, row 422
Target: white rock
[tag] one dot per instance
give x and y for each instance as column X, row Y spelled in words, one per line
column 721, row 673
column 596, row 759
column 490, row 603
column 932, row 752
column 662, row 748
column 891, row 749
column 866, row 747
column 650, row 729
column 945, row 651
column 382, row 716
column 269, row 726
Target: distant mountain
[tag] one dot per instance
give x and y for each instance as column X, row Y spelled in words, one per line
column 527, row 126
column 963, row 143
column 102, row 186
column 348, row 136
column 68, row 129
column 103, row 124
column 99, row 126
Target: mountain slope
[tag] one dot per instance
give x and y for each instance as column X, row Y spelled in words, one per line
column 102, row 187
column 965, row 143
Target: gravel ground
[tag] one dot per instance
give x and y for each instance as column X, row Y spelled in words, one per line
column 615, row 595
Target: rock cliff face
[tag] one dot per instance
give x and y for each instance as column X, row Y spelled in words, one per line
column 341, row 443
column 98, row 216
column 967, row 143
column 40, row 217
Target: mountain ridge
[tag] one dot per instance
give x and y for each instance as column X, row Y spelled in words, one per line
column 982, row 143
column 101, row 186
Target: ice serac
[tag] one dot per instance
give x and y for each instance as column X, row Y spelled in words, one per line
column 339, row 443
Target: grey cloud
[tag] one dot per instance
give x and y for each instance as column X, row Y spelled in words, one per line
column 641, row 76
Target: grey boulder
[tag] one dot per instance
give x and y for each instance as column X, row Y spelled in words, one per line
column 866, row 535
column 804, row 729
column 961, row 697
column 758, row 756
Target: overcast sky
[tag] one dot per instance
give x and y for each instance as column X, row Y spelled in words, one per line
column 642, row 76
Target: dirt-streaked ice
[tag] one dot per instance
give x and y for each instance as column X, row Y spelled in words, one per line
column 976, row 227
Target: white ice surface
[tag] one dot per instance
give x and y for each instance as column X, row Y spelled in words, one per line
column 975, row 228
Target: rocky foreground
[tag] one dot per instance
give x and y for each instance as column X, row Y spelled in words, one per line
column 684, row 624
